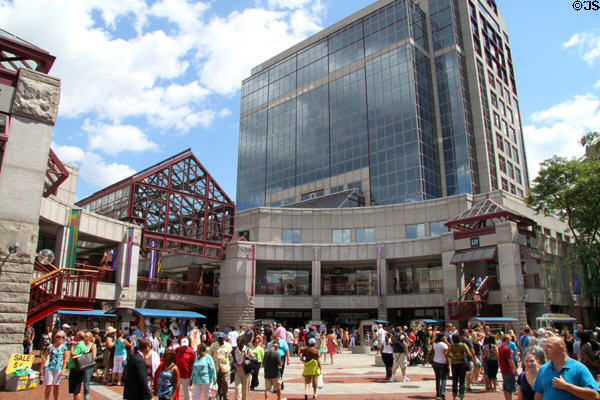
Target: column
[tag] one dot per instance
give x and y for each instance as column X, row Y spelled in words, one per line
column 61, row 247
column 382, row 285
column 316, row 283
column 236, row 301
column 126, row 275
column 22, row 176
column 452, row 273
column 509, row 273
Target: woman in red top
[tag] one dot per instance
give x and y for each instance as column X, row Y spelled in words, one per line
column 331, row 344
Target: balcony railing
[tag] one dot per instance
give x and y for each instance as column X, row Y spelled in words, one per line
column 459, row 310
column 177, row 287
column 285, row 289
column 531, row 281
column 105, row 275
column 419, row 287
column 350, row 289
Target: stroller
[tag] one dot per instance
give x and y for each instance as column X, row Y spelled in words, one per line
column 416, row 355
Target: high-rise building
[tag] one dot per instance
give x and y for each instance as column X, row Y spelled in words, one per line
column 404, row 100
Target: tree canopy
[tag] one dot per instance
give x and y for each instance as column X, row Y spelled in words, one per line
column 570, row 190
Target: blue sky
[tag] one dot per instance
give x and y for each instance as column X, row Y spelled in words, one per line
column 143, row 80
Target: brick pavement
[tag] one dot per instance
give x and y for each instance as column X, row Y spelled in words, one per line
column 353, row 377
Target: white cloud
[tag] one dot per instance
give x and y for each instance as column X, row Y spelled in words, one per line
column 68, row 154
column 114, row 139
column 597, row 85
column 557, row 130
column 92, row 167
column 587, row 44
column 231, row 46
column 289, row 4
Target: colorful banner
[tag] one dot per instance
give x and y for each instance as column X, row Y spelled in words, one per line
column 154, row 263
column 253, row 269
column 113, row 263
column 128, row 259
column 73, row 237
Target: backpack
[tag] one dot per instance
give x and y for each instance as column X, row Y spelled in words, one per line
column 398, row 343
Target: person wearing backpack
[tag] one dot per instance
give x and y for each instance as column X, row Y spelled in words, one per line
column 400, row 348
column 458, row 352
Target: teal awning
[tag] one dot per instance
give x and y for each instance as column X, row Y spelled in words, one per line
column 92, row 313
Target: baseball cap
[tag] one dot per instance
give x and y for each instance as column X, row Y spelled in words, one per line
column 312, row 341
column 185, row 342
column 66, row 326
column 221, row 334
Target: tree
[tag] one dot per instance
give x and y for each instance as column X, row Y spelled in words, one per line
column 570, row 190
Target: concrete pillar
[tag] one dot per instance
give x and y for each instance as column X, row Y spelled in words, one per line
column 127, row 283
column 61, row 247
column 236, row 302
column 316, row 283
column 509, row 273
column 452, row 273
column 22, row 175
column 382, row 288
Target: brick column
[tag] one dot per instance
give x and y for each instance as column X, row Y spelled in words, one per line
column 22, row 175
column 509, row 273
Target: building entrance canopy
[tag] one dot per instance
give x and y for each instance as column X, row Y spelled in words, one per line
column 472, row 255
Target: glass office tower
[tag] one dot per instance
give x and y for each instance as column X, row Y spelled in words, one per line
column 404, row 100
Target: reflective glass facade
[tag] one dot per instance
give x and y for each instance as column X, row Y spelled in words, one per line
column 379, row 95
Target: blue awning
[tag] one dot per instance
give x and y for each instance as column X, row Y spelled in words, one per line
column 92, row 313
column 154, row 312
column 430, row 321
column 494, row 319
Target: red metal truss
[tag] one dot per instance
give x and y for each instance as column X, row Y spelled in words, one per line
column 16, row 53
column 178, row 204
column 480, row 218
column 55, row 174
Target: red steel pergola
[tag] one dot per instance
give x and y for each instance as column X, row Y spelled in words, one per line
column 179, row 206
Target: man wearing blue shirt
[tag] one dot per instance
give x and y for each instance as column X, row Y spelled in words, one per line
column 562, row 377
column 283, row 351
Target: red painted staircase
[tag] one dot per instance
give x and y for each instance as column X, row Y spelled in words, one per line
column 469, row 306
column 60, row 288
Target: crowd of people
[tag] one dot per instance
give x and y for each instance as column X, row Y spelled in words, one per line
column 553, row 364
column 180, row 359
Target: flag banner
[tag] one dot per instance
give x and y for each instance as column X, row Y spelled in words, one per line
column 73, row 237
column 128, row 258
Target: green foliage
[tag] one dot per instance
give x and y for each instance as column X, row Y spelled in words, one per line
column 570, row 190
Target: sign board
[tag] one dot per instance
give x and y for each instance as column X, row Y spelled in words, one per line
column 18, row 360
column 475, row 241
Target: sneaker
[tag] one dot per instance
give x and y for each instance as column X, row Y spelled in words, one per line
column 405, row 379
column 394, row 379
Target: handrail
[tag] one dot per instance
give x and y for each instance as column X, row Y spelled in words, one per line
column 416, row 287
column 94, row 267
column 60, row 270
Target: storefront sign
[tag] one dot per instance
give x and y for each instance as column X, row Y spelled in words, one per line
column 18, row 360
column 475, row 242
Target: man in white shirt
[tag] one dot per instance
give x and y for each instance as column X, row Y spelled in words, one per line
column 232, row 337
column 381, row 335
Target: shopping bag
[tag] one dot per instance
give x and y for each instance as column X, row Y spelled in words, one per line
column 320, row 382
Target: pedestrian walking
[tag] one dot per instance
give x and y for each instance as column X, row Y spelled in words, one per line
column 332, row 344
column 272, row 364
column 241, row 354
column 387, row 356
column 458, row 352
column 490, row 365
column 204, row 373
column 136, row 381
column 76, row 376
column 166, row 381
column 54, row 362
column 121, row 345
column 572, row 381
column 220, row 351
column 533, row 359
column 90, row 346
column 440, row 365
column 508, row 368
column 259, row 353
column 109, row 353
column 312, row 367
column 184, row 359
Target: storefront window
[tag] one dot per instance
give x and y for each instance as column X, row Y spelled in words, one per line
column 283, row 280
column 416, row 278
column 349, row 280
